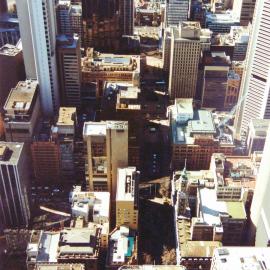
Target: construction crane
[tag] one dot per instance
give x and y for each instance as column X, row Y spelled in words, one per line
column 56, row 212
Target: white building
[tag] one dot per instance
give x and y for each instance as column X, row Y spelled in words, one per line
column 239, row 258
column 92, row 206
column 256, row 78
column 127, row 197
column 260, row 208
column 38, row 34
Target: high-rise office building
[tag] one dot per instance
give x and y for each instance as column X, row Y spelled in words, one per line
column 65, row 134
column 69, row 69
column 101, row 27
column 38, row 34
column 107, row 150
column 177, row 11
column 11, row 67
column 126, row 11
column 9, row 30
column 14, row 188
column 69, row 17
column 105, row 21
column 184, row 60
column 216, row 69
column 62, row 14
column 260, row 207
column 22, row 112
column 3, row 6
column 254, row 93
column 244, row 10
column 127, row 197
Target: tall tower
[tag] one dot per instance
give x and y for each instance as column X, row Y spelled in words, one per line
column 254, row 92
column 107, row 150
column 69, row 66
column 3, row 6
column 176, row 12
column 260, row 208
column 184, row 60
column 38, row 33
column 14, row 187
column 126, row 9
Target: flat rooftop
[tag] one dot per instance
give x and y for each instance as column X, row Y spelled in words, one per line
column 211, row 208
column 153, row 267
column 47, row 250
column 10, row 152
column 259, row 127
column 248, row 258
column 202, row 123
column 99, row 62
column 59, row 266
column 99, row 201
column 66, row 116
column 94, row 129
column 99, row 128
column 204, row 249
column 125, row 184
column 9, row 50
column 184, row 105
column 20, row 98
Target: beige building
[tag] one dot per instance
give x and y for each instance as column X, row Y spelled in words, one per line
column 100, row 67
column 184, row 60
column 127, row 197
column 107, row 150
column 22, row 111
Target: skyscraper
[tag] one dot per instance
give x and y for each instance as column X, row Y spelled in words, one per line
column 107, row 150
column 184, row 60
column 260, row 208
column 126, row 10
column 69, row 69
column 3, row 6
column 38, row 33
column 254, row 92
column 176, row 12
column 105, row 21
column 14, row 188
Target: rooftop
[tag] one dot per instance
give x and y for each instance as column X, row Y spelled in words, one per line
column 10, row 152
column 100, row 128
column 59, row 266
column 21, row 97
column 95, row 61
column 74, row 241
column 67, row 41
column 66, row 116
column 121, row 246
column 152, row 267
column 248, row 258
column 199, row 248
column 259, row 127
column 211, row 208
column 9, row 50
column 98, row 202
column 126, row 184
column 200, row 123
column 47, row 248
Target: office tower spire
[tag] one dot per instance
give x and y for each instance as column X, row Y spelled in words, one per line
column 254, row 93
